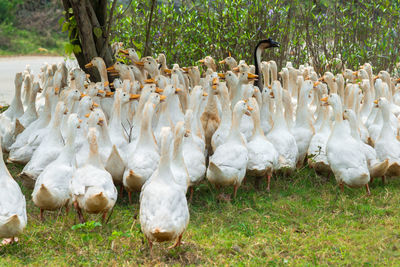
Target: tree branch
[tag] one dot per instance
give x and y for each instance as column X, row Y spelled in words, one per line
column 107, row 34
column 146, row 47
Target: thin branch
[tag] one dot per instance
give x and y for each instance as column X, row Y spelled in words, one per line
column 147, row 48
column 107, row 34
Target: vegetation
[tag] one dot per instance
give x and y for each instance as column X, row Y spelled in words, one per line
column 30, row 27
column 304, row 220
column 309, row 31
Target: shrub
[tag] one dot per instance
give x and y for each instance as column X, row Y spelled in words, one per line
column 309, row 31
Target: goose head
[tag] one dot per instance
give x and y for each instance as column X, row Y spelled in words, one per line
column 85, row 106
column 161, row 59
column 73, row 121
column 155, row 99
column 97, row 62
column 242, row 108
column 334, row 101
column 36, row 88
column 150, row 65
column 350, row 115
column 382, row 103
column 362, row 74
column 130, row 53
column 230, row 61
column 18, row 80
column 267, row 43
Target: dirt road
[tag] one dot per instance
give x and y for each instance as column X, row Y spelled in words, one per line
column 9, row 66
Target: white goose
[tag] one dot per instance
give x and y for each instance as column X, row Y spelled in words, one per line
column 165, row 217
column 228, row 163
column 52, row 187
column 263, row 157
column 350, row 168
column 92, row 187
column 47, row 151
column 194, row 157
column 142, row 162
column 12, row 205
column 178, row 166
column 280, row 136
column 376, row 167
column 303, row 130
column 387, row 146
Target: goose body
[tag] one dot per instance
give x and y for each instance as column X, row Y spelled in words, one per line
column 163, row 218
column 52, row 188
column 351, row 167
column 13, row 217
column 48, row 150
column 92, row 186
column 227, row 166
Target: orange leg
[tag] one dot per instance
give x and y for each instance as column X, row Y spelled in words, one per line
column 177, row 243
column 151, row 246
column 104, row 216
column 268, row 182
column 235, row 188
column 79, row 211
column 341, row 187
column 130, row 197
column 42, row 215
column 121, row 191
column 191, row 194
column 367, row 188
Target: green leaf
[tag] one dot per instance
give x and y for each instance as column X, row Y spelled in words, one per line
column 65, row 27
column 77, row 49
column 61, row 21
column 69, row 48
column 97, row 31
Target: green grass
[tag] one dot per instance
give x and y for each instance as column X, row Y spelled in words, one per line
column 14, row 41
column 305, row 220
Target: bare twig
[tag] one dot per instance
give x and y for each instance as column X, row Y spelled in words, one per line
column 107, row 34
column 148, row 28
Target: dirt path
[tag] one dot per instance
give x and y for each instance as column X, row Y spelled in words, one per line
column 9, row 66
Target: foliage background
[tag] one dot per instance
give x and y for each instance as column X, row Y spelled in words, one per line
column 309, row 31
column 30, row 27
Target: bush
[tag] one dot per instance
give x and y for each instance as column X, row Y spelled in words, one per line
column 309, row 31
column 8, row 9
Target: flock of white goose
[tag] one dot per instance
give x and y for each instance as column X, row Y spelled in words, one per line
column 164, row 131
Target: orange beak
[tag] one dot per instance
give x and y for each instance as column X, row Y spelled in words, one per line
column 324, row 99
column 139, row 63
column 316, row 84
column 205, row 94
column 109, row 94
column 106, row 83
column 222, row 62
column 111, row 69
column 163, row 97
column 159, row 90
column 125, row 52
column 132, row 97
column 221, row 75
column 251, row 76
column 150, row 80
column 89, row 65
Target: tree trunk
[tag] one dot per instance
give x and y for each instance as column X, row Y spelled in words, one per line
column 90, row 15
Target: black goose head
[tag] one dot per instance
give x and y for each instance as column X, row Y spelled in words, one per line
column 268, row 43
